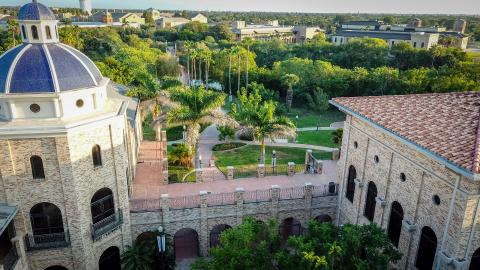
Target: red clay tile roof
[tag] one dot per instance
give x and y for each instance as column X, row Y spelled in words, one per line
column 445, row 124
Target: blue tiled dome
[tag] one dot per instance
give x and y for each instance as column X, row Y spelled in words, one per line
column 46, row 68
column 35, row 11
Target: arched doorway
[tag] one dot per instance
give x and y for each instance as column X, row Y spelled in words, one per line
column 370, row 202
column 215, row 234
column 426, row 249
column 395, row 223
column 56, row 267
column 323, row 218
column 475, row 262
column 110, row 259
column 186, row 244
column 47, row 223
column 290, row 227
column 352, row 174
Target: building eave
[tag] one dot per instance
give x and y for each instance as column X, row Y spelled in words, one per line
column 447, row 163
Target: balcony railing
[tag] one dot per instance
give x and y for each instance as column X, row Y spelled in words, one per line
column 10, row 260
column 107, row 225
column 47, row 241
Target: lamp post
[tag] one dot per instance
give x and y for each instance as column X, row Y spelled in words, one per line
column 199, row 160
column 184, row 134
column 274, row 161
column 296, row 125
column 161, row 242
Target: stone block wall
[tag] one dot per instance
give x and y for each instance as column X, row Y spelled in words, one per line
column 424, row 178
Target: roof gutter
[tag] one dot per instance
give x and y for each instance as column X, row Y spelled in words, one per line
column 449, row 164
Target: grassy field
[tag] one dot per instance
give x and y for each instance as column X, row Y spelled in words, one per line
column 322, row 138
column 249, row 156
column 311, row 119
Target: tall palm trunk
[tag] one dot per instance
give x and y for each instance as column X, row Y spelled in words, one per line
column 194, row 70
column 207, row 68
column 262, row 151
column 246, row 75
column 230, row 78
column 239, row 72
column 200, row 71
column 289, row 98
column 188, row 68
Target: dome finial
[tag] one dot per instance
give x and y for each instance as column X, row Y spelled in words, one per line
column 34, row 1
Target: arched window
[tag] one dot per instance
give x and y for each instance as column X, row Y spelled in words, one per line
column 352, row 174
column 102, row 205
column 56, row 267
column 423, row 45
column 37, row 167
column 475, row 262
column 395, row 223
column 34, row 32
column 414, row 44
column 370, row 203
column 96, row 156
column 426, row 249
column 24, row 34
column 215, row 234
column 49, row 33
column 110, row 259
column 46, row 218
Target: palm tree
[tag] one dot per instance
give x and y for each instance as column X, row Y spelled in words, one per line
column 236, row 51
column 194, row 56
column 193, row 107
column 230, row 54
column 188, row 46
column 247, row 42
column 136, row 257
column 290, row 80
column 207, row 55
column 258, row 118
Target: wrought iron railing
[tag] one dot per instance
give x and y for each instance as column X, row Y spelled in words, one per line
column 325, row 190
column 257, row 196
column 10, row 259
column 221, row 199
column 47, row 241
column 192, row 201
column 292, row 193
column 107, row 225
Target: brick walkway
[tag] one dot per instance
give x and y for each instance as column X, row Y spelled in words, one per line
column 152, row 190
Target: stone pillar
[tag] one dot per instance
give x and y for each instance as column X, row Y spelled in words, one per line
column 158, row 133
column 203, row 224
column 261, row 170
column 308, row 195
column 319, row 167
column 336, row 154
column 239, row 199
column 199, row 175
column 291, row 169
column 230, row 173
column 19, row 247
column 164, row 156
column 308, row 153
column 275, row 198
column 165, row 210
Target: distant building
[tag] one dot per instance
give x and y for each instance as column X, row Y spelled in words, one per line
column 198, row 17
column 118, row 18
column 416, row 39
column 414, row 33
column 272, row 30
column 460, row 26
column 171, row 22
column 155, row 14
column 86, row 6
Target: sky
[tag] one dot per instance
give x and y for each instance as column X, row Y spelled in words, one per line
column 320, row 6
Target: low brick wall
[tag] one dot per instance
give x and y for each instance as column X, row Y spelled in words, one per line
column 203, row 212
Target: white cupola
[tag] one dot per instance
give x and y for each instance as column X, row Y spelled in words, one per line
column 37, row 23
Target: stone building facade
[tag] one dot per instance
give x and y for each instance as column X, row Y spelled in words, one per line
column 409, row 164
column 68, row 142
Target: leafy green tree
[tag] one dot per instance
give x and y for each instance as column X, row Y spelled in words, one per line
column 258, row 118
column 318, row 101
column 251, row 245
column 221, row 31
column 167, row 65
column 181, row 156
column 226, row 133
column 337, row 136
column 136, row 257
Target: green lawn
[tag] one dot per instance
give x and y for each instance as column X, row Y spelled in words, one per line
column 322, row 138
column 311, row 119
column 248, row 156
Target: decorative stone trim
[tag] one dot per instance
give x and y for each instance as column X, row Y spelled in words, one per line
column 409, row 226
column 261, row 170
column 230, row 170
column 359, row 182
column 380, row 201
column 446, row 259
